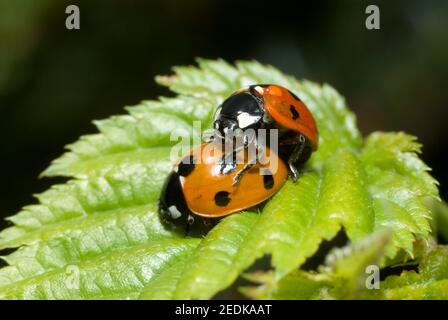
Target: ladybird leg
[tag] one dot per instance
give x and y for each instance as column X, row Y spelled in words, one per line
column 190, row 221
column 294, row 172
column 247, row 166
column 230, row 159
column 240, row 173
column 295, row 155
column 226, row 160
column 249, row 137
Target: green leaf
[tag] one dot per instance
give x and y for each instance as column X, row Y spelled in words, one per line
column 214, row 256
column 120, row 274
column 345, row 276
column 439, row 218
column 431, row 281
column 342, row 277
column 107, row 211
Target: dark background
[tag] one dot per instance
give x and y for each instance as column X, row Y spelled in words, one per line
column 54, row 81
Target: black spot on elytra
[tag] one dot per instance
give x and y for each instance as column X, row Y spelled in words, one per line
column 294, row 96
column 294, row 113
column 268, row 181
column 222, row 198
column 186, row 166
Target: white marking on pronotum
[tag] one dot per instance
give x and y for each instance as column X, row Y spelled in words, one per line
column 245, row 120
column 259, row 89
column 174, row 212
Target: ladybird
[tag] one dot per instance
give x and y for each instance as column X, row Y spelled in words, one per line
column 269, row 106
column 198, row 191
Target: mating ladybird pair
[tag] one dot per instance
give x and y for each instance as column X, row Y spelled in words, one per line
column 214, row 184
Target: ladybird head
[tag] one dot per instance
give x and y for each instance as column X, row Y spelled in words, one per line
column 241, row 110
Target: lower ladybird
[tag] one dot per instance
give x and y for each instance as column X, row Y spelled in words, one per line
column 198, row 191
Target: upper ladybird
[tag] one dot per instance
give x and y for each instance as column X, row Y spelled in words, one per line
column 269, row 106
